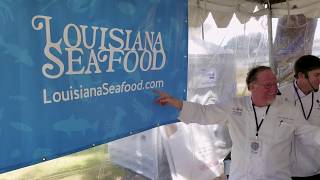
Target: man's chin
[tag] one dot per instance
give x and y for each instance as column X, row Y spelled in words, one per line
column 270, row 100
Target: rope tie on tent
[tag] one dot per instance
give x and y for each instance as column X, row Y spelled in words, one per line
column 202, row 31
column 288, row 8
column 205, row 9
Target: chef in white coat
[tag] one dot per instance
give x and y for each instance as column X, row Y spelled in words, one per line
column 303, row 93
column 262, row 128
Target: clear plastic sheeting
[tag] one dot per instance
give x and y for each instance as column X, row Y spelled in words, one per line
column 294, row 37
column 142, row 153
column 195, row 152
column 176, row 151
column 316, row 41
column 218, row 62
column 231, row 51
column 207, row 78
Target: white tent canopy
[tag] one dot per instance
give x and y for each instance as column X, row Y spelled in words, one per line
column 223, row 10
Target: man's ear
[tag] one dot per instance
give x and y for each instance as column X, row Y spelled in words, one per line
column 250, row 86
column 302, row 75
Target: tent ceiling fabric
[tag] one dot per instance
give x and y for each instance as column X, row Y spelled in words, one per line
column 310, row 8
column 223, row 10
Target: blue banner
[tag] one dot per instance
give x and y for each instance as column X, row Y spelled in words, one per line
column 79, row 73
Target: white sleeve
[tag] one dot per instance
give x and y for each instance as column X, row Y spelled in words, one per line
column 204, row 114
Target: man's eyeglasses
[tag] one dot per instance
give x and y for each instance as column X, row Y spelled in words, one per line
column 267, row 85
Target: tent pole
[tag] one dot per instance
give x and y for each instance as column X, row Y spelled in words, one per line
column 271, row 60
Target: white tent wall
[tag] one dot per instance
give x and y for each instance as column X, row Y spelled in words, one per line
column 302, row 13
column 216, row 56
column 226, row 38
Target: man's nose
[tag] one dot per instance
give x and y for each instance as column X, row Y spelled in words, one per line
column 274, row 88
